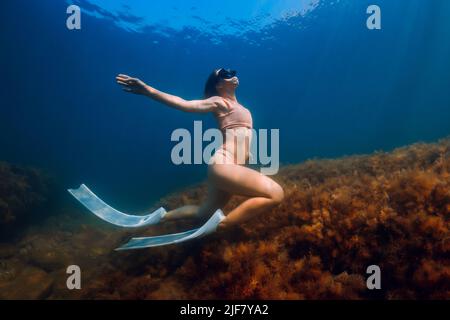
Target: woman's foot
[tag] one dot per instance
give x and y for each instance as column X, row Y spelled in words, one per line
column 222, row 226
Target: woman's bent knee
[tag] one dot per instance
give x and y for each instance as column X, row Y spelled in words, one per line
column 277, row 193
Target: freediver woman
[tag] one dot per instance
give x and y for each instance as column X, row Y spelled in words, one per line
column 227, row 173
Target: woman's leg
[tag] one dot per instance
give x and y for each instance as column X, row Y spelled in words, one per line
column 216, row 199
column 188, row 211
column 235, row 179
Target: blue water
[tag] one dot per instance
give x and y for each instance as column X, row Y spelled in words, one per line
column 329, row 84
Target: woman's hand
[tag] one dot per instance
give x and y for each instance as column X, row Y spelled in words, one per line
column 132, row 85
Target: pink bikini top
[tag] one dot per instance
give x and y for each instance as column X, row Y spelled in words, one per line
column 237, row 116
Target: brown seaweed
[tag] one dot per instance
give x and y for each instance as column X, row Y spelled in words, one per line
column 338, row 217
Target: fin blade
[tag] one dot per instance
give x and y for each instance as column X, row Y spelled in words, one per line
column 107, row 213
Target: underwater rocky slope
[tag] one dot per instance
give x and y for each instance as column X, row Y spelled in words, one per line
column 338, row 217
column 22, row 192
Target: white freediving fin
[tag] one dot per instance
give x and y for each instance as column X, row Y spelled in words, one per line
column 146, row 242
column 98, row 207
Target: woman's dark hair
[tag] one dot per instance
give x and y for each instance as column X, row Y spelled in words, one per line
column 210, row 85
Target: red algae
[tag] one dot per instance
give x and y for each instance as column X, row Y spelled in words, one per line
column 338, row 217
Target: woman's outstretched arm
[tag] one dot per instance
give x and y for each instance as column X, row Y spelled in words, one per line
column 137, row 86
